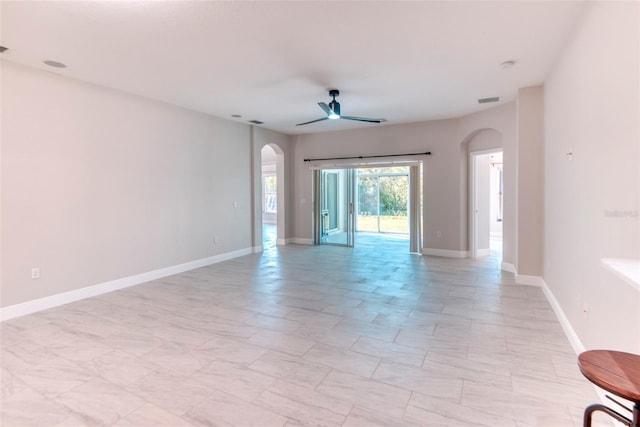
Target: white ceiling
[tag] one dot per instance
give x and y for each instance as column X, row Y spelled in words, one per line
column 274, row 61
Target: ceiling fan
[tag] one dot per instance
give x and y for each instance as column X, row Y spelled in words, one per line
column 333, row 112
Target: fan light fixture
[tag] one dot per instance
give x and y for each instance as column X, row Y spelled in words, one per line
column 334, row 106
column 333, row 112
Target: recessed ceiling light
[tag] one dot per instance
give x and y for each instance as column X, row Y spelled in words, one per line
column 54, row 64
column 507, row 64
column 236, row 116
column 2, row 49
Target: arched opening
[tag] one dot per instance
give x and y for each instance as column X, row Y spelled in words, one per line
column 482, row 151
column 272, row 196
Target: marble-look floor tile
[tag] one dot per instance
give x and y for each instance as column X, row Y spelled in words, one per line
column 293, row 369
column 233, row 379
column 120, row 368
column 363, row 417
column 306, row 413
column 331, row 337
column 177, row 357
column 515, row 406
column 344, row 360
column 30, row 408
column 314, row 318
column 170, row 391
column 310, row 397
column 282, row 342
column 99, row 402
column 389, row 351
column 368, row 329
column 221, row 409
column 25, row 355
column 431, row 383
column 300, row 336
column 423, row 410
column 365, row 392
column 56, row 376
column 150, row 415
column 224, row 348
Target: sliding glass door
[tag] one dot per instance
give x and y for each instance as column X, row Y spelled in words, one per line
column 387, row 200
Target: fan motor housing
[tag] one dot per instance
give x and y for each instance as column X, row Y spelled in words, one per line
column 335, row 107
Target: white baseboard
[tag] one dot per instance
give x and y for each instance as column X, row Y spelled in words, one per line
column 40, row 304
column 282, row 242
column 257, row 249
column 445, row 253
column 300, row 241
column 523, row 279
column 506, row 266
column 483, row 252
column 575, row 342
column 572, row 336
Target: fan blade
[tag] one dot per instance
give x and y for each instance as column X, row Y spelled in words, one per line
column 362, row 119
column 325, row 107
column 313, row 121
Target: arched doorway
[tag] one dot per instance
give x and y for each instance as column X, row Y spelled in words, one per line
column 269, row 210
column 482, row 151
column 272, row 193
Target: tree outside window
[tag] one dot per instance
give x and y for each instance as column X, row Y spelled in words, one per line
column 270, row 201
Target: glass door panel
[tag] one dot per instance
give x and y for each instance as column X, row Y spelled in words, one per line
column 393, row 204
column 336, row 207
column 368, row 205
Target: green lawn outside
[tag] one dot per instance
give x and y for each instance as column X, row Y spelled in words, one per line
column 392, row 224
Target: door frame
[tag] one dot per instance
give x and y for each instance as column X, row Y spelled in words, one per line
column 347, row 210
column 473, row 218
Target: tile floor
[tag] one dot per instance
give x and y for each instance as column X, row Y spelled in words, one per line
column 300, row 336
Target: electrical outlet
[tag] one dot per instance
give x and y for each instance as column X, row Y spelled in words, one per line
column 235, row 204
column 215, row 239
column 438, row 234
column 35, row 273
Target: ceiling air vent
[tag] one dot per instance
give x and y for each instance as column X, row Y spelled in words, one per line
column 488, row 100
column 256, row 122
column 2, row 49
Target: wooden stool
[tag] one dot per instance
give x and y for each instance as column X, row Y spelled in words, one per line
column 616, row 372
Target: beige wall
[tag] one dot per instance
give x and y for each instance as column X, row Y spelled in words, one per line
column 98, row 185
column 591, row 197
column 530, row 163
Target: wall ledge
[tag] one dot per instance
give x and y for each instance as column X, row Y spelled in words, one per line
column 627, row 269
column 51, row 301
